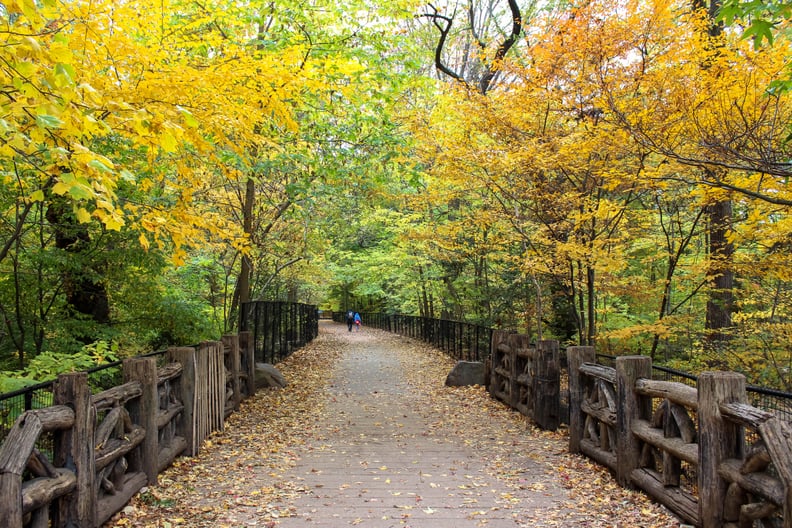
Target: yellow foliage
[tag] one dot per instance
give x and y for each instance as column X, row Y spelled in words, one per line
column 591, row 158
column 174, row 82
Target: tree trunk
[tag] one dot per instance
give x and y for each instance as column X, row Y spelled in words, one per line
column 721, row 299
column 423, row 298
column 85, row 293
column 539, row 310
column 719, row 217
column 590, row 305
column 581, row 307
column 242, row 288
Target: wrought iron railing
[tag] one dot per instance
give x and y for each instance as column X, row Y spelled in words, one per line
column 460, row 340
column 278, row 328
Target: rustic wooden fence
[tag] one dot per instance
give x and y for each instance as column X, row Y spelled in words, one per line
column 703, row 452
column 107, row 446
column 527, row 377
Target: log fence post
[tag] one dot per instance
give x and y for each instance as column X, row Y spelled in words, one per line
column 576, row 356
column 144, row 411
column 547, row 385
column 719, row 440
column 513, row 343
column 629, row 408
column 249, row 360
column 232, row 342
column 77, row 447
column 185, row 427
column 11, row 495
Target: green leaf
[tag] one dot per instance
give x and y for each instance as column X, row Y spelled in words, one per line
column 100, row 166
column 80, row 192
column 48, row 121
column 760, row 30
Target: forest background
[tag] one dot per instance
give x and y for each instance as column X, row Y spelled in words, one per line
column 609, row 172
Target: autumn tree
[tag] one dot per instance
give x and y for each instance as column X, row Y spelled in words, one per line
column 607, row 153
column 139, row 120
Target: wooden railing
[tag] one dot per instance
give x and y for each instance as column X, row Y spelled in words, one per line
column 703, row 452
column 107, row 446
column 527, row 377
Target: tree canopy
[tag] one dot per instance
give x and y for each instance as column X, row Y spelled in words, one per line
column 611, row 173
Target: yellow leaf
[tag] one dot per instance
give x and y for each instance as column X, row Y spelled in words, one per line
column 113, row 222
column 83, row 216
column 168, row 142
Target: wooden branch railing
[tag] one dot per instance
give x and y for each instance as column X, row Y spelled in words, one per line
column 527, row 378
column 107, row 446
column 703, row 452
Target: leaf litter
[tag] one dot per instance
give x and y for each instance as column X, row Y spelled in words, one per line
column 239, row 477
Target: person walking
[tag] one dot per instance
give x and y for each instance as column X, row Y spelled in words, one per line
column 358, row 321
column 350, row 319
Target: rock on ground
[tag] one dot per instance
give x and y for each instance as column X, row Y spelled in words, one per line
column 466, row 373
column 269, row 376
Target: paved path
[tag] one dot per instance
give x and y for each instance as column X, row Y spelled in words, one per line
column 391, row 460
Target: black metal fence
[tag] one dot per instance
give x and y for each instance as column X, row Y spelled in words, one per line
column 461, row 341
column 278, row 328
column 12, row 404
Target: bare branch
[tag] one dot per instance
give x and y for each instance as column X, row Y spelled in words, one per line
column 492, row 68
column 443, row 24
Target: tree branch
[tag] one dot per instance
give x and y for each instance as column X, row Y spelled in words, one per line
column 492, row 68
column 443, row 24
column 278, row 269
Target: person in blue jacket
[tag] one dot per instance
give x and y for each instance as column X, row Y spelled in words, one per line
column 358, row 321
